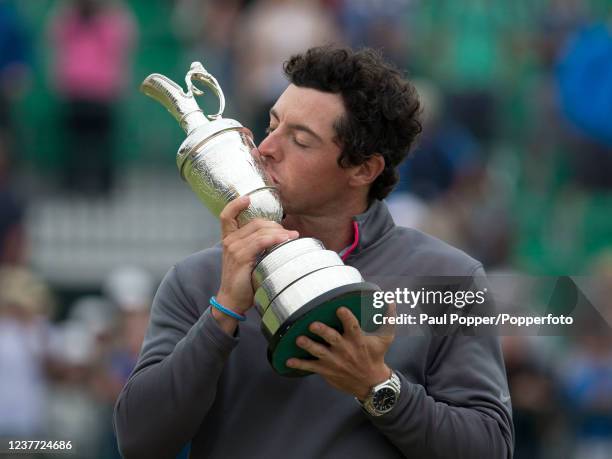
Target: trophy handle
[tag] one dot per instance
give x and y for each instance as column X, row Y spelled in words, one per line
column 197, row 72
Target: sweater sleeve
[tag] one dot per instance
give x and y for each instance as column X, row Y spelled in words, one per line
column 175, row 380
column 463, row 410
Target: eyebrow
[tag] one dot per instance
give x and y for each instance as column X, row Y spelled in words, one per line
column 298, row 127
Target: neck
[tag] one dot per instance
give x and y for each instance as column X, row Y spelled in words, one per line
column 334, row 231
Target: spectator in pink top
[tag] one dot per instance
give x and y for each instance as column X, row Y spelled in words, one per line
column 92, row 41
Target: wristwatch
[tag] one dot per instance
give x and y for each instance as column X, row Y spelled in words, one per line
column 383, row 397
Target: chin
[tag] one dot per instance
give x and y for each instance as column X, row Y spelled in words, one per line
column 287, row 207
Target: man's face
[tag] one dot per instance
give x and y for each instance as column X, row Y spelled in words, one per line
column 300, row 152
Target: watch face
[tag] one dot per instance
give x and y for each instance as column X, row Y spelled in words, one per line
column 384, row 399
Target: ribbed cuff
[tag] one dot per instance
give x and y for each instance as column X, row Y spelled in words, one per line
column 211, row 329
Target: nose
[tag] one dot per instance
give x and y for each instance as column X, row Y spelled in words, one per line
column 270, row 148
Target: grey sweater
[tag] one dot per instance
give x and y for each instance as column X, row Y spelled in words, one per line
column 194, row 383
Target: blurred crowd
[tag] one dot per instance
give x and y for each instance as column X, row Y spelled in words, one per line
column 60, row 379
column 514, row 166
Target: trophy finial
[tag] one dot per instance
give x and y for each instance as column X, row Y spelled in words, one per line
column 197, row 72
column 183, row 105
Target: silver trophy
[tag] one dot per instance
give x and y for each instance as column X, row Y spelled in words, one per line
column 296, row 282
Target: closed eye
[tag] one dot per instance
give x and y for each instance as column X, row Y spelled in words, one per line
column 299, row 144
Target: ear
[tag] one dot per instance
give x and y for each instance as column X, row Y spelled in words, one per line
column 368, row 171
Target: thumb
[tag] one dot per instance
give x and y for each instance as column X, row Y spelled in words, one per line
column 229, row 215
column 387, row 330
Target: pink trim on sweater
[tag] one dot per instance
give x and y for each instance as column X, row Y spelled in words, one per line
column 355, row 241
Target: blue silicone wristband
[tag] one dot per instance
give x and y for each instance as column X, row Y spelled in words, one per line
column 214, row 303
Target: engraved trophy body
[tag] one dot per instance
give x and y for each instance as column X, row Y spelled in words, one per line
column 296, row 282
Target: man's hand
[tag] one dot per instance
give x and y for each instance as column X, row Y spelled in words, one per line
column 351, row 362
column 240, row 249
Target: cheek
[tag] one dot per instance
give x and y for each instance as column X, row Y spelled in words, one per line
column 313, row 174
column 319, row 169
column 313, row 177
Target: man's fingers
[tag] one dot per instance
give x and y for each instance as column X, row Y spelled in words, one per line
column 331, row 336
column 315, row 349
column 253, row 226
column 230, row 212
column 307, row 365
column 351, row 326
column 260, row 240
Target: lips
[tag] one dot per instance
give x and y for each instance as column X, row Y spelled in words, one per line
column 272, row 178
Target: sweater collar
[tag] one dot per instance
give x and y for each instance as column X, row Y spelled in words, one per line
column 372, row 225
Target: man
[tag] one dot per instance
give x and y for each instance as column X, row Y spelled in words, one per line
column 336, row 136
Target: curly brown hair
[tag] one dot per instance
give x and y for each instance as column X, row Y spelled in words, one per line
column 382, row 108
